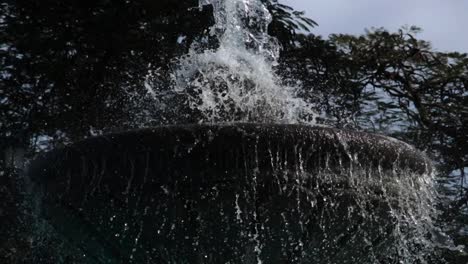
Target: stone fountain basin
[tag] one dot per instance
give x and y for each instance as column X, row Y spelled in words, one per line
column 221, row 193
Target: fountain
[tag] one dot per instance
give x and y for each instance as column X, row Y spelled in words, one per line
column 255, row 182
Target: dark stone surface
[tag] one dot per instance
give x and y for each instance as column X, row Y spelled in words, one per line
column 220, row 193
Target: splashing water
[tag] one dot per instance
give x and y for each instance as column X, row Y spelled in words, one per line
column 236, row 82
column 281, row 193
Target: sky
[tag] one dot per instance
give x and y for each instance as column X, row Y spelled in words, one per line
column 444, row 22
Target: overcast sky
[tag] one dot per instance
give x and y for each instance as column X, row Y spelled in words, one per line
column 445, row 22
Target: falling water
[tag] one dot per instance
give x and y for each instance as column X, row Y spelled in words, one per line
column 242, row 193
column 236, row 82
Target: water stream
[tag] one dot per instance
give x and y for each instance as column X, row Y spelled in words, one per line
column 236, row 81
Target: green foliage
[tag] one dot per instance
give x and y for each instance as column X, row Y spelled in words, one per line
column 68, row 62
column 388, row 82
column 287, row 22
column 426, row 90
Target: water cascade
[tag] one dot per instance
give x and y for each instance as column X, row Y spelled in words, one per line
column 254, row 183
column 236, row 81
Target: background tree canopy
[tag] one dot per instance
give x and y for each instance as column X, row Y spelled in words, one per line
column 72, row 69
